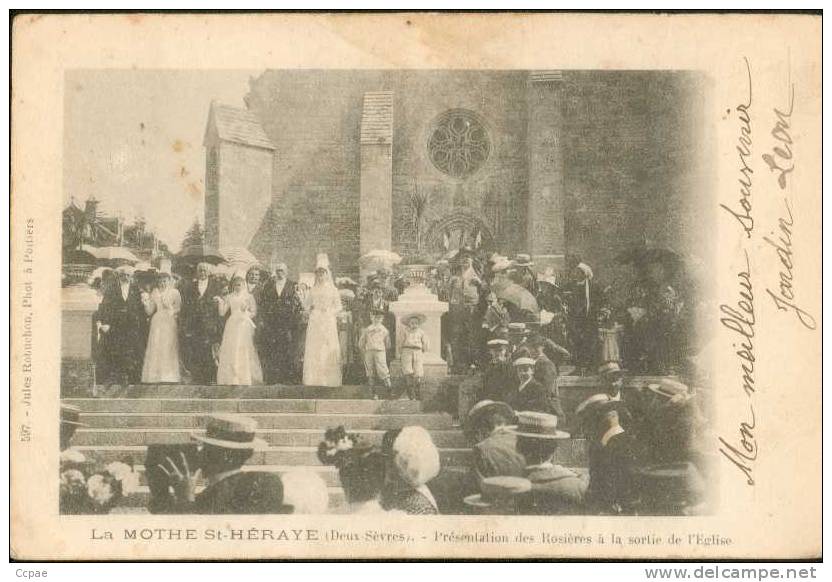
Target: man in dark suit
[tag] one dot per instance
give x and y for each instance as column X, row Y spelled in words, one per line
column 555, row 490
column 613, row 457
column 278, row 310
column 498, row 377
column 545, row 372
column 200, row 325
column 494, row 446
column 123, row 325
column 529, row 394
column 228, row 442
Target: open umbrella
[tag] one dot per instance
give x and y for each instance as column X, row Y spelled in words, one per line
column 517, row 295
column 641, row 256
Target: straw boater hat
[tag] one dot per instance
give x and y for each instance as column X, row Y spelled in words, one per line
column 484, row 406
column 598, row 404
column 669, row 388
column 71, row 415
column 517, row 328
column 610, row 369
column 418, row 316
column 497, row 343
column 230, row 431
column 494, row 490
column 524, row 362
column 538, row 425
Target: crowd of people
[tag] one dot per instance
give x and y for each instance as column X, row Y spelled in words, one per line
column 642, row 456
column 252, row 326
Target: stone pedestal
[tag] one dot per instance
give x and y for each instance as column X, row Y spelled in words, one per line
column 419, row 299
column 78, row 304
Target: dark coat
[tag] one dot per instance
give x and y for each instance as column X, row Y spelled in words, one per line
column 497, row 456
column 246, row 492
column 201, row 328
column 123, row 345
column 555, row 491
column 612, row 470
column 532, row 398
column 277, row 327
column 497, row 381
column 546, row 373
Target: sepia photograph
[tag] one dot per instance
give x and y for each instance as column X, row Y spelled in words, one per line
column 423, row 292
column 416, row 285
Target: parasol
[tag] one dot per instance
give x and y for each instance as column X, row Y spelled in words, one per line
column 193, row 254
column 640, row 257
column 517, row 295
column 379, row 259
column 238, row 258
column 111, row 254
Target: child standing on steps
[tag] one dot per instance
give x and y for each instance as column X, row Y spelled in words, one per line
column 414, row 345
column 374, row 342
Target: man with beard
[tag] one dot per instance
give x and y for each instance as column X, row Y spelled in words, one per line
column 123, row 327
column 278, row 312
column 200, row 325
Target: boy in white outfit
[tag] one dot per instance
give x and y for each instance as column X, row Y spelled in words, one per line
column 374, row 342
column 412, row 350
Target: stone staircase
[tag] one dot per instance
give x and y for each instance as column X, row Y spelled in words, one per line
column 292, row 420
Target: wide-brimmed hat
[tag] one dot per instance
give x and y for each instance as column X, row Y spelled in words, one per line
column 71, row 415
column 496, row 489
column 610, row 369
column 538, row 425
column 669, row 388
column 598, row 404
column 501, row 264
column 418, row 316
column 230, row 431
column 523, row 260
column 482, row 407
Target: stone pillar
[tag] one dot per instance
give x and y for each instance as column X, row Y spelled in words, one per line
column 417, row 298
column 78, row 304
column 376, row 219
column 546, row 208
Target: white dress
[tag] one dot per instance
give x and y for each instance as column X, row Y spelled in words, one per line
column 161, row 358
column 239, row 364
column 322, row 351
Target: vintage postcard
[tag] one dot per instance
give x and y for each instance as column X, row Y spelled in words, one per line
column 416, row 285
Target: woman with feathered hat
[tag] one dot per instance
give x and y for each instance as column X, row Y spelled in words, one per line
column 322, row 351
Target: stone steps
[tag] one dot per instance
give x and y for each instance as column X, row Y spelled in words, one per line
column 198, row 391
column 246, row 406
column 301, row 437
column 297, row 456
column 276, row 420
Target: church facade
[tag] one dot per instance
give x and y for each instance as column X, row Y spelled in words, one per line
column 423, row 162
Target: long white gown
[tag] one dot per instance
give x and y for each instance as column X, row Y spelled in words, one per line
column 161, row 358
column 239, row 364
column 322, row 351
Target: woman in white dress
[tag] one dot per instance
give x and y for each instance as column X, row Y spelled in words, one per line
column 161, row 358
column 238, row 361
column 322, row 349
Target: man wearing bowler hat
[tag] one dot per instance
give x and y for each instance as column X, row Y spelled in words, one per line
column 228, row 442
column 555, row 489
column 613, row 456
